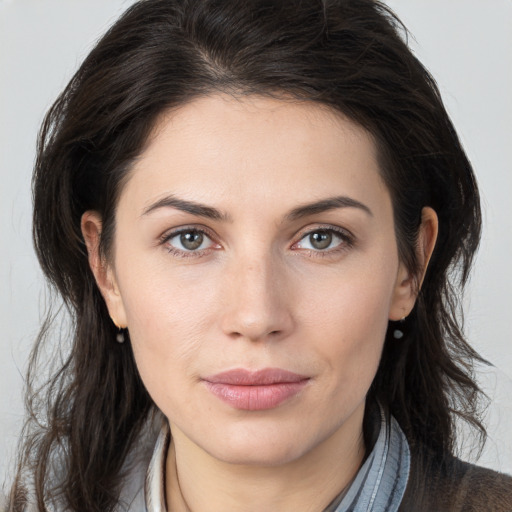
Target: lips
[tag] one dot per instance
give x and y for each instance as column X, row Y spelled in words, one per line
column 255, row 390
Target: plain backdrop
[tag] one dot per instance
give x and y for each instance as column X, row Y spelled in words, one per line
column 467, row 46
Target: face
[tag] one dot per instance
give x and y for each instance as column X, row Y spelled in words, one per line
column 255, row 266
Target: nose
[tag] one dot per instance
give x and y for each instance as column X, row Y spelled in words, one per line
column 258, row 305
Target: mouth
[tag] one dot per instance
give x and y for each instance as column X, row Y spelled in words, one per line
column 255, row 390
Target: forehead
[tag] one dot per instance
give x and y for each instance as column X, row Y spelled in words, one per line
column 224, row 148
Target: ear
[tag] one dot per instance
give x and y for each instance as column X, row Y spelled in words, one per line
column 408, row 285
column 103, row 271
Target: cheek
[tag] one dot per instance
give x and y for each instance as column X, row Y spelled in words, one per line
column 355, row 298
column 170, row 318
column 163, row 298
column 350, row 317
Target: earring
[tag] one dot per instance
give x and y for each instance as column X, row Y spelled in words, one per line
column 398, row 334
column 120, row 334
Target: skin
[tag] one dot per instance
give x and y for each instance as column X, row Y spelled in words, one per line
column 257, row 294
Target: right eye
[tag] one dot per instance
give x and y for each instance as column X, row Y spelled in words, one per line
column 188, row 241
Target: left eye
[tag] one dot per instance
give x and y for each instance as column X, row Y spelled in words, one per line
column 190, row 240
column 320, row 240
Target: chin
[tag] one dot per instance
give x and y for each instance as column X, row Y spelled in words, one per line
column 264, row 447
column 258, row 455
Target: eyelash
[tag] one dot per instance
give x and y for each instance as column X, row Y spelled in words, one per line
column 165, row 239
column 347, row 241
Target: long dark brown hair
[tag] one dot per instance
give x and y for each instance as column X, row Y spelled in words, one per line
column 350, row 55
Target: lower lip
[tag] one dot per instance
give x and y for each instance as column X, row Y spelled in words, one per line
column 256, row 398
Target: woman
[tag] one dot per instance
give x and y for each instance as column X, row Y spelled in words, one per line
column 252, row 211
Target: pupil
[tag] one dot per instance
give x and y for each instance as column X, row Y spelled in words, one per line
column 191, row 240
column 321, row 239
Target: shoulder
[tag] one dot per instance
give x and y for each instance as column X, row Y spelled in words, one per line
column 453, row 485
column 22, row 495
column 476, row 488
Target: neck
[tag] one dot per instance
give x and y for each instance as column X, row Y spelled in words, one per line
column 198, row 482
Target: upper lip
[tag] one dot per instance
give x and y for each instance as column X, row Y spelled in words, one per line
column 264, row 377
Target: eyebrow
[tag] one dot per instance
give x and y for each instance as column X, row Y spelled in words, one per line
column 209, row 212
column 191, row 207
column 324, row 205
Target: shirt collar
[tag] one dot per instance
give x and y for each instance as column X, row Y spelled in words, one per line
column 379, row 485
column 154, row 486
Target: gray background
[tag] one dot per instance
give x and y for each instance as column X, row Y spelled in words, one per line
column 467, row 46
